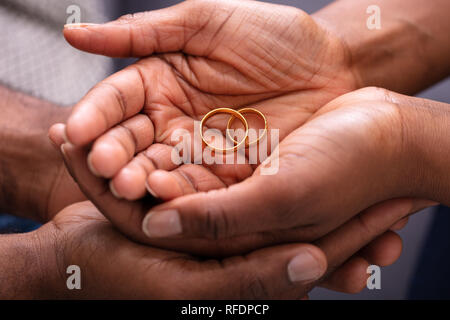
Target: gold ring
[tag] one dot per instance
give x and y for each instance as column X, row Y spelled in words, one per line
column 248, row 110
column 235, row 114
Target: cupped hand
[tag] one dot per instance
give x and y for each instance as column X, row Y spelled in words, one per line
column 353, row 154
column 347, row 272
column 198, row 56
column 249, row 54
column 235, row 53
column 112, row 266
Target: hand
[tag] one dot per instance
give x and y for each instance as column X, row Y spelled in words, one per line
column 92, row 115
column 139, row 107
column 361, row 149
column 286, row 65
column 129, row 181
column 114, row 267
column 347, row 275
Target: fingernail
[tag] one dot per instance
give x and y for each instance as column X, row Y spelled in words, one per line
column 304, row 267
column 150, row 190
column 65, row 136
column 63, row 151
column 91, row 167
column 79, row 25
column 161, row 224
column 113, row 190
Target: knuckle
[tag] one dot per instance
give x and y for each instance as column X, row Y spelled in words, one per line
column 216, row 221
column 372, row 91
column 128, row 136
column 111, row 90
column 119, row 96
column 131, row 17
column 366, row 225
column 254, row 287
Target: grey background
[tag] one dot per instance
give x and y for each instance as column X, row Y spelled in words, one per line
column 395, row 279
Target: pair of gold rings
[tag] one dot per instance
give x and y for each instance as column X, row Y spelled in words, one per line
column 234, row 114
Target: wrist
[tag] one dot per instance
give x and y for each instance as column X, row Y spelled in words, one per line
column 29, row 163
column 426, row 136
column 28, row 266
column 408, row 53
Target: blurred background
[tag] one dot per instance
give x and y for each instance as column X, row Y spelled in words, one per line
column 35, row 59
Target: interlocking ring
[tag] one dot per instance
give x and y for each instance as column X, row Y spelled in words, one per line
column 235, row 114
column 248, row 110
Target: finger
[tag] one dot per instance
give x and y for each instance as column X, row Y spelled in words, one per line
column 384, row 250
column 351, row 277
column 117, row 146
column 130, row 181
column 142, row 34
column 363, row 229
column 186, row 179
column 127, row 215
column 354, row 235
column 113, row 100
column 285, row 271
column 222, row 213
column 419, row 204
column 345, row 241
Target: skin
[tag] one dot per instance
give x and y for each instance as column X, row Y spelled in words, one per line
column 43, row 187
column 33, row 264
column 409, row 52
column 80, row 235
column 139, row 166
column 34, row 182
column 174, row 88
column 354, row 106
column 391, row 223
column 368, row 135
column 170, row 90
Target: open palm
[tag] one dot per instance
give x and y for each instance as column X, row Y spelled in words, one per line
column 222, row 54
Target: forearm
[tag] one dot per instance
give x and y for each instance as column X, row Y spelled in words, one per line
column 27, row 160
column 426, row 136
column 408, row 53
column 26, row 270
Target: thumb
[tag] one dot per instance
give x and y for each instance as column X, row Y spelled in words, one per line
column 187, row 26
column 254, row 205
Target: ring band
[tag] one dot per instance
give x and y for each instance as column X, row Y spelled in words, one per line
column 248, row 110
column 235, row 114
